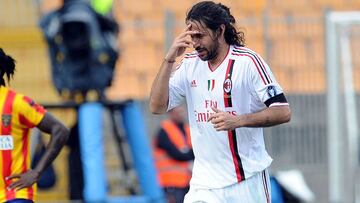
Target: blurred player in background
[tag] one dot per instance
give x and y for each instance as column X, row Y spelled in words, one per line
column 231, row 94
column 19, row 114
column 173, row 155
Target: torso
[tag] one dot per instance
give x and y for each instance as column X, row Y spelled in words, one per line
column 222, row 158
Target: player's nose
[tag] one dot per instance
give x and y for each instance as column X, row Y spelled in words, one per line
column 196, row 44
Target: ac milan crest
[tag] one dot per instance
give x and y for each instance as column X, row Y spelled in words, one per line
column 227, row 85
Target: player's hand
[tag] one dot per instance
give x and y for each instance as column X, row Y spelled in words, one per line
column 223, row 121
column 23, row 180
column 180, row 44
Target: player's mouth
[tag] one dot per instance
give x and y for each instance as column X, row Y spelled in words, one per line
column 201, row 52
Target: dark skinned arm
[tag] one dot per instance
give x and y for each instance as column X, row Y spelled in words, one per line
column 59, row 135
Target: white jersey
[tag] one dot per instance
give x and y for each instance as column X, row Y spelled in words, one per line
column 240, row 85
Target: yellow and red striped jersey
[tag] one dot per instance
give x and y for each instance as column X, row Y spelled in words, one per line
column 18, row 115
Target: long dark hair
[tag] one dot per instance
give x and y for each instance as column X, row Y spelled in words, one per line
column 215, row 14
column 7, row 67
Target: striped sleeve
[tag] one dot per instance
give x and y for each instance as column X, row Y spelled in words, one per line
column 30, row 113
column 262, row 80
column 177, row 83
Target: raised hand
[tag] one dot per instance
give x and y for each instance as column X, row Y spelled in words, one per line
column 180, row 44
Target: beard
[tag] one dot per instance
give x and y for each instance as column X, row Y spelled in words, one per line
column 211, row 52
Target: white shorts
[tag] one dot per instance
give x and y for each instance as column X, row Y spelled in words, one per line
column 256, row 189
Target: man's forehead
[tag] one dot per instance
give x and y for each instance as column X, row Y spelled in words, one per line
column 196, row 26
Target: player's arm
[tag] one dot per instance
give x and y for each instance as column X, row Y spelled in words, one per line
column 278, row 112
column 159, row 95
column 277, row 109
column 271, row 116
column 59, row 135
column 267, row 91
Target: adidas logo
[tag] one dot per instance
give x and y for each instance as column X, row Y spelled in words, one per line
column 193, row 83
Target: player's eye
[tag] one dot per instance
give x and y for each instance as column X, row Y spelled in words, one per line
column 196, row 36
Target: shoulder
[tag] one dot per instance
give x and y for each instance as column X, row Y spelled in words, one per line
column 189, row 57
column 24, row 103
column 5, row 91
column 239, row 49
column 17, row 100
column 10, row 95
column 166, row 123
column 247, row 56
column 9, row 98
column 244, row 53
column 22, row 99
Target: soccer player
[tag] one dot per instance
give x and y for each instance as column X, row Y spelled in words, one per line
column 19, row 114
column 231, row 94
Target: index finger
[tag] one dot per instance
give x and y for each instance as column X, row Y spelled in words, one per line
column 17, row 186
column 12, row 176
column 188, row 33
column 188, row 26
column 216, row 110
column 212, row 116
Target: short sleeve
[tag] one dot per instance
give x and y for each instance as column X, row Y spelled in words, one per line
column 30, row 113
column 262, row 81
column 177, row 86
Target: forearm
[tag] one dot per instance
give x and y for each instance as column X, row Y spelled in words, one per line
column 159, row 95
column 59, row 136
column 266, row 118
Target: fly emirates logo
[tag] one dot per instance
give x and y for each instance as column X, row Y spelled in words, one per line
column 204, row 115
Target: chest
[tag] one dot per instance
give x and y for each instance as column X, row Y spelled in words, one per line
column 228, row 80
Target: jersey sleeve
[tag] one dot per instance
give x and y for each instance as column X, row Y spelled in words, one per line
column 263, row 83
column 177, row 86
column 30, row 113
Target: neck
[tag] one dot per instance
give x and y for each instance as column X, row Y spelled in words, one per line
column 222, row 53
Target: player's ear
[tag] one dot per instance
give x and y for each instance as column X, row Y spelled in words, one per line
column 221, row 30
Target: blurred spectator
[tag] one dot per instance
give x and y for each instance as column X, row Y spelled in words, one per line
column 173, row 155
